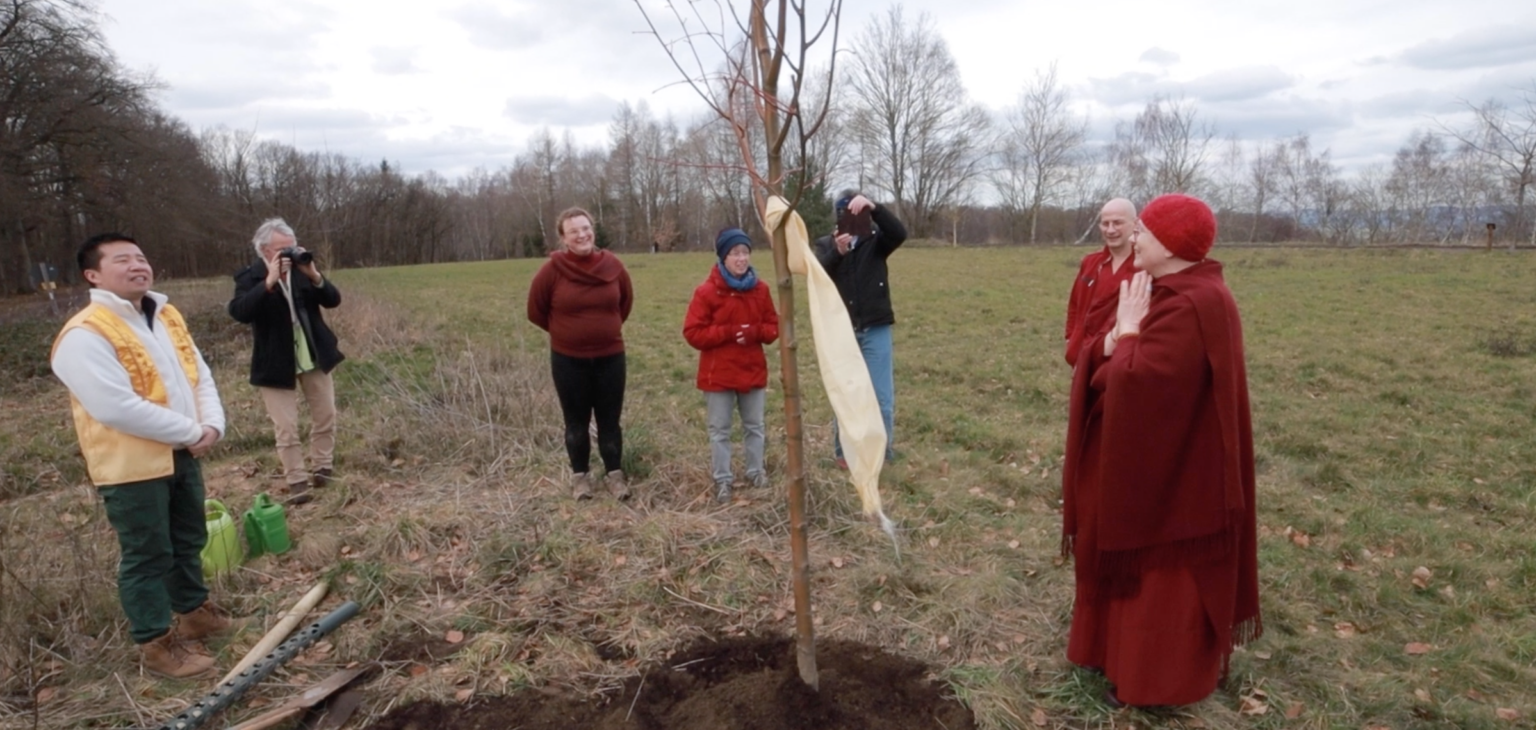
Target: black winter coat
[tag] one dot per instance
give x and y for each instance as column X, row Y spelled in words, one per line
column 861, row 275
column 272, row 359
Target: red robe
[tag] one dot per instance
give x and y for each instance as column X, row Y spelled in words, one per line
column 1094, row 299
column 1158, row 497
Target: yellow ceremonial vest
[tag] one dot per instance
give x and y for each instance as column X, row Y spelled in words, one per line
column 111, row 456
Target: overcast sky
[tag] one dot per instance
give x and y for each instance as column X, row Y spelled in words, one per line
column 451, row 85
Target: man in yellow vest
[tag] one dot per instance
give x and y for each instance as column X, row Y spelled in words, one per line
column 145, row 408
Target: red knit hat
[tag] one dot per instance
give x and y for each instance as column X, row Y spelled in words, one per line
column 1184, row 225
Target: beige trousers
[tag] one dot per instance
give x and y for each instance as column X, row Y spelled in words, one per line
column 283, row 408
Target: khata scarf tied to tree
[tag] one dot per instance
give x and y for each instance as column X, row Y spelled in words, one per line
column 846, row 379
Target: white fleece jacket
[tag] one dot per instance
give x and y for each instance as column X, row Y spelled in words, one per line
column 89, row 367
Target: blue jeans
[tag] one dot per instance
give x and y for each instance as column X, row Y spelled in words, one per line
column 875, row 345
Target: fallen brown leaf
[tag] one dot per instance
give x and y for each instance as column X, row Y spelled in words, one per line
column 45, row 694
column 1037, row 717
column 877, row 607
column 1422, row 695
column 1507, row 713
column 1416, row 648
column 463, row 695
column 620, row 560
column 418, row 669
column 1344, row 630
column 1422, row 576
column 933, row 542
column 944, row 641
column 1295, row 710
column 837, row 562
column 1252, row 706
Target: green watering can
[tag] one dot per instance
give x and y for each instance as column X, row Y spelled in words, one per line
column 266, row 528
column 221, row 553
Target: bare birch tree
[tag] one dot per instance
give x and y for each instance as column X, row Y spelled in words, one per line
column 740, row 83
column 922, row 140
column 1507, row 135
column 1039, row 147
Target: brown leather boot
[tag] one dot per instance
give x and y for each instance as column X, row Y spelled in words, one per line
column 169, row 657
column 320, row 478
column 618, row 486
column 206, row 620
column 581, row 486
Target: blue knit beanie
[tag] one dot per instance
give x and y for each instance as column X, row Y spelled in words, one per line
column 731, row 238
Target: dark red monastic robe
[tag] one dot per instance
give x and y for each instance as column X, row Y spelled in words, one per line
column 1158, row 497
column 1094, row 298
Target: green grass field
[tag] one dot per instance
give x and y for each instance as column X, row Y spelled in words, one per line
column 1394, row 397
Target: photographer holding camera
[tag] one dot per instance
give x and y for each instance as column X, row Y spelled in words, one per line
column 294, row 350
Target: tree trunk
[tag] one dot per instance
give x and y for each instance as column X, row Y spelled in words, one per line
column 789, row 371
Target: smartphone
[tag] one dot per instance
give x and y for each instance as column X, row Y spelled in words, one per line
column 858, row 225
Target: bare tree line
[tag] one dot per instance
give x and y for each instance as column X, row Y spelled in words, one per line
column 83, row 148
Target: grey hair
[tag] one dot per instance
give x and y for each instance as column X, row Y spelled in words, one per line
column 267, row 228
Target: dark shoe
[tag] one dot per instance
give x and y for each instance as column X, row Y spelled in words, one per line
column 167, row 656
column 842, row 463
column 298, row 493
column 760, row 481
column 1112, row 700
column 206, row 620
column 617, row 485
column 321, row 478
column 723, row 492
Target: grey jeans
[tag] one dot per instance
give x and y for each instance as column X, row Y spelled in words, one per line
column 719, row 407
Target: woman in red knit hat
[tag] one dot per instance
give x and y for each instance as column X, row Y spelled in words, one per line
column 1158, row 484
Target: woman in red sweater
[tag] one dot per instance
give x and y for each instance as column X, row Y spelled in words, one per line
column 581, row 297
column 729, row 320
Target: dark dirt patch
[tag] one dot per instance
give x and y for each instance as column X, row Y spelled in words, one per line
column 734, row 684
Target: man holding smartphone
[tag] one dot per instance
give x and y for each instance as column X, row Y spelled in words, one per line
column 855, row 257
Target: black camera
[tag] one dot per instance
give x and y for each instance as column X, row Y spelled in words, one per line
column 297, row 255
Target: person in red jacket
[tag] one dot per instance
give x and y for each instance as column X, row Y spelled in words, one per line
column 1158, row 482
column 729, row 320
column 581, row 297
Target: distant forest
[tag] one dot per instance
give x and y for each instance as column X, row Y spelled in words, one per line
column 84, row 148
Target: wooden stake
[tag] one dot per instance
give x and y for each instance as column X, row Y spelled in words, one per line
column 280, row 631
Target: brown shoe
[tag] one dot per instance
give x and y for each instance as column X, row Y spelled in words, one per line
column 298, row 493
column 581, row 486
column 617, row 486
column 206, row 620
column 321, row 478
column 169, row 657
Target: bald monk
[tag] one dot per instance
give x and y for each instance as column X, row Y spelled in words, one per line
column 1158, row 482
column 1091, row 307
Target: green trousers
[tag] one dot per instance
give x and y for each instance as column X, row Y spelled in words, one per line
column 161, row 530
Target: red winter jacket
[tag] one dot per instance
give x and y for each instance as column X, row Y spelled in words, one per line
column 715, row 316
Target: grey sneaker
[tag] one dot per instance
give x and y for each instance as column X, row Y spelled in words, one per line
column 616, row 485
column 723, row 492
column 581, row 486
column 760, row 481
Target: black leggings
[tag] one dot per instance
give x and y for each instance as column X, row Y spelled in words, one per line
column 588, row 387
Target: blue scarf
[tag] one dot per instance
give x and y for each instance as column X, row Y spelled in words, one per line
column 747, row 282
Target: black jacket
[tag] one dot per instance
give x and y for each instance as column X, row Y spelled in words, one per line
column 272, row 358
column 861, row 275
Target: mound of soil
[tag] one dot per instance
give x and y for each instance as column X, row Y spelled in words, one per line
column 734, row 684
